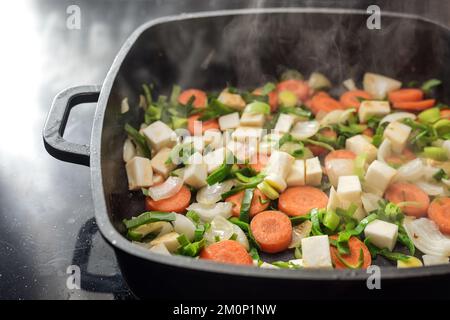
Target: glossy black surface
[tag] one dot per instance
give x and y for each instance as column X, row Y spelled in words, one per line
column 46, row 209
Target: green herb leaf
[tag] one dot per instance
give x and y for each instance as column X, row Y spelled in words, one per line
column 427, row 86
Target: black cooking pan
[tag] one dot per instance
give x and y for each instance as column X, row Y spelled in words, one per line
column 244, row 48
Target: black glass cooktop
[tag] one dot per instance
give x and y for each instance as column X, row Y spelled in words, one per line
column 49, row 242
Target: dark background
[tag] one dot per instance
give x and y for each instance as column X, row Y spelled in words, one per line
column 46, row 209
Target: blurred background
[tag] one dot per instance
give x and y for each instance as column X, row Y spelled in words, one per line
column 46, row 210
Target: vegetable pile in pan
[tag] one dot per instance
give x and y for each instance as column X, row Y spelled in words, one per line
column 333, row 179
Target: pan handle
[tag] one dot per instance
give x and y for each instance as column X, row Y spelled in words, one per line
column 56, row 122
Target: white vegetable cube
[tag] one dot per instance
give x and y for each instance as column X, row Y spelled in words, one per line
column 382, row 234
column 313, row 176
column 359, row 145
column 252, row 119
column 280, row 163
column 214, row 159
column 159, row 135
column 431, row 260
column 196, row 171
column 284, row 123
column 160, row 248
column 229, row 121
column 316, row 252
column 159, row 164
column 378, row 176
column 349, row 189
column 232, row 100
column 139, row 173
column 213, row 138
column 247, row 133
column 297, row 175
column 333, row 200
column 398, row 133
column 369, row 109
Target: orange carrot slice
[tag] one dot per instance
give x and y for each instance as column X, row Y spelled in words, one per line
column 176, row 203
column 272, row 231
column 204, row 125
column 227, row 251
column 325, row 103
column 415, row 105
column 407, row 192
column 259, row 202
column 200, row 100
column 350, row 99
column 355, row 245
column 439, row 212
column 405, row 95
column 298, row 87
column 297, row 201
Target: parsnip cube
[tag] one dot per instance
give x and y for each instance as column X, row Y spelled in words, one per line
column 398, row 133
column 284, row 123
column 213, row 138
column 229, row 121
column 159, row 164
column 232, row 100
column 316, row 252
column 378, row 176
column 359, row 145
column 280, row 163
column 382, row 234
column 313, row 176
column 369, row 109
column 349, row 189
column 139, row 173
column 242, row 151
column 297, row 175
column 333, row 200
column 214, row 159
column 196, row 171
column 247, row 134
column 252, row 119
column 159, row 135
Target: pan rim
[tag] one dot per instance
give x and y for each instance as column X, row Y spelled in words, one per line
column 118, row 241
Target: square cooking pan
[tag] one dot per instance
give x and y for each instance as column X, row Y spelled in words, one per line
column 245, row 48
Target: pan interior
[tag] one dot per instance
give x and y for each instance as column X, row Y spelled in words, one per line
column 249, row 50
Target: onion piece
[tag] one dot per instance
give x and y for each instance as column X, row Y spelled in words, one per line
column 429, row 172
column 207, row 212
column 370, row 201
column 223, row 229
column 397, row 116
column 184, row 225
column 305, row 129
column 346, row 115
column 339, row 167
column 432, row 189
column 331, row 117
column 167, row 189
column 411, row 171
column 385, row 150
column 212, row 194
column 299, row 232
column 426, row 236
column 129, row 150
